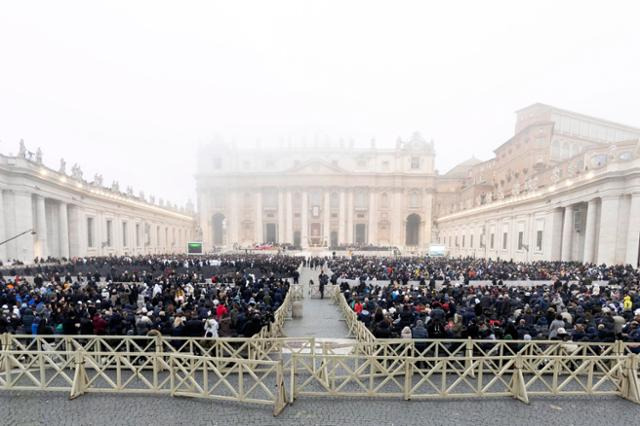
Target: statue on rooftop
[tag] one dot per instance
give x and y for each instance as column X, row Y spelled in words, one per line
column 39, row 156
column 22, row 152
column 76, row 172
column 63, row 167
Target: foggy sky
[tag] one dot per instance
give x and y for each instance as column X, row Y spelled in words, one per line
column 130, row 88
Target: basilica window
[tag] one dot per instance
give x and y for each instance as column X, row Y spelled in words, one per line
column 414, row 199
column 334, row 200
column 360, row 199
column 270, row 199
column 217, row 200
column 109, row 233
column 90, row 232
column 415, row 163
column 217, row 163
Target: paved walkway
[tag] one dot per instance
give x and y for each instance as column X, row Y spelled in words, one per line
column 320, row 318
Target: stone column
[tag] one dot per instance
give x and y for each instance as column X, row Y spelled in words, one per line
column 77, row 235
column 567, row 234
column 372, row 226
column 342, row 217
column 259, row 231
column 24, row 222
column 633, row 232
column 289, row 218
column 397, row 221
column 326, row 227
column 552, row 236
column 607, row 235
column 3, row 232
column 350, row 216
column 233, row 220
column 281, row 217
column 304, row 224
column 590, row 231
column 64, row 230
column 41, row 228
column 428, row 206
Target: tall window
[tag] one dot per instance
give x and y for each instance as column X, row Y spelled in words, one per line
column 109, row 233
column 492, row 241
column 415, row 163
column 157, row 236
column 217, row 199
column 471, row 241
column 463, row 238
column 539, row 241
column 505, row 237
column 520, row 240
column 90, row 232
column 414, row 199
column 270, row 199
column 137, row 235
column 334, row 200
column 125, row 241
column 360, row 199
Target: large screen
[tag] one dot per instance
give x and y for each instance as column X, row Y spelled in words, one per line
column 437, row 250
column 194, row 248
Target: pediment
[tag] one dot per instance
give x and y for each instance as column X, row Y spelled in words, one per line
column 316, row 167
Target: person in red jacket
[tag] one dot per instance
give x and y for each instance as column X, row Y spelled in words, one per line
column 99, row 324
column 220, row 309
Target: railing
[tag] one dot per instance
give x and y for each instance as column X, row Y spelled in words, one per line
column 329, row 291
column 80, row 372
column 356, row 328
column 418, row 377
column 253, row 370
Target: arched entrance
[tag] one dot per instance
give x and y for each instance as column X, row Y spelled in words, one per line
column 412, row 231
column 217, row 227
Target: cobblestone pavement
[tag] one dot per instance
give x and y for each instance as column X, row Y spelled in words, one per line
column 320, row 318
column 46, row 408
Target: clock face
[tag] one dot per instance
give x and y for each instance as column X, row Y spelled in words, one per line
column 599, row 160
column 625, row 156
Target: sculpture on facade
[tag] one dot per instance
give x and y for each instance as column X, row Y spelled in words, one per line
column 141, row 195
column 115, row 186
column 22, row 152
column 555, row 175
column 76, row 172
column 39, row 156
column 152, row 199
column 130, row 191
column 97, row 179
column 63, row 167
column 515, row 190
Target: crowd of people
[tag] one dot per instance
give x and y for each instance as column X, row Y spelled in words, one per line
column 237, row 295
column 172, row 295
column 568, row 307
column 426, row 269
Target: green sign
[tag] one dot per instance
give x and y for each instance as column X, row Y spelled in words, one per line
column 194, row 248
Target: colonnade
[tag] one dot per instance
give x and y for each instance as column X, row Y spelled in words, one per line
column 54, row 227
column 318, row 216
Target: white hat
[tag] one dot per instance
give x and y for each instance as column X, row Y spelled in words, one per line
column 561, row 330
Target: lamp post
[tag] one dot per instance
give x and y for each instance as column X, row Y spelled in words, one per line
column 18, row 236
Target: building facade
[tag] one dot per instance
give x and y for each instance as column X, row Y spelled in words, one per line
column 46, row 212
column 318, row 195
column 565, row 187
